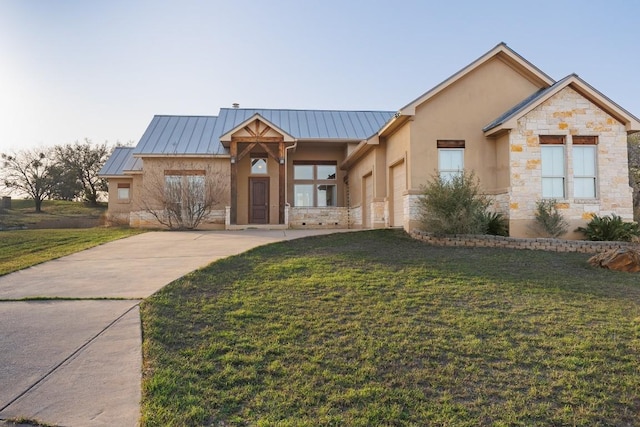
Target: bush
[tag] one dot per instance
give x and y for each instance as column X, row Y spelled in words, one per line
column 610, row 228
column 496, row 224
column 549, row 219
column 453, row 206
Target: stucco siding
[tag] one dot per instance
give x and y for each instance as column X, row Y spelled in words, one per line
column 460, row 112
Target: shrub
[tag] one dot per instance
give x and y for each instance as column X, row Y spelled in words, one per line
column 549, row 219
column 453, row 206
column 610, row 228
column 496, row 224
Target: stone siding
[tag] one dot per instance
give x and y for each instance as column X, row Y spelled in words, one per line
column 329, row 217
column 568, row 113
column 142, row 219
column 552, row 245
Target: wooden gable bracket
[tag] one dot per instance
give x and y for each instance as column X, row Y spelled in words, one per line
column 269, row 151
column 246, row 151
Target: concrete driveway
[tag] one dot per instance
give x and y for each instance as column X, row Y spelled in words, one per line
column 77, row 361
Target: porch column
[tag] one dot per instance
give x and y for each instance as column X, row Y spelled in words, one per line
column 282, row 187
column 234, row 182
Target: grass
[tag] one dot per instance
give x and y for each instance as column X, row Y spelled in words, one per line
column 23, row 248
column 22, row 212
column 374, row 328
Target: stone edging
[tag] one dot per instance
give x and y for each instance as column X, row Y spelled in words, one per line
column 540, row 244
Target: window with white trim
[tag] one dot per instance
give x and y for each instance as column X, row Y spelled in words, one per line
column 450, row 158
column 314, row 184
column 553, row 170
column 584, row 166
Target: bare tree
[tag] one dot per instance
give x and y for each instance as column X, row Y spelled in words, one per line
column 31, row 172
column 183, row 198
column 633, row 145
column 82, row 162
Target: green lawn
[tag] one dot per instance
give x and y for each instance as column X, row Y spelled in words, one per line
column 22, row 213
column 23, row 248
column 374, row 328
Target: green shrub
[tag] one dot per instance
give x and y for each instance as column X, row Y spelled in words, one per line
column 496, row 224
column 549, row 219
column 610, row 228
column 453, row 206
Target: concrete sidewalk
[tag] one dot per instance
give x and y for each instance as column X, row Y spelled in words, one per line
column 78, row 362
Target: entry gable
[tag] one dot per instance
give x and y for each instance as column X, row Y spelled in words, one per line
column 256, row 128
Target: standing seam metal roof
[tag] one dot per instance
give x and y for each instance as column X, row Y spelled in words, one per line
column 118, row 162
column 184, row 135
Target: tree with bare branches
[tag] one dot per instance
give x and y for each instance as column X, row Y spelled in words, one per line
column 31, row 172
column 183, row 199
column 82, row 162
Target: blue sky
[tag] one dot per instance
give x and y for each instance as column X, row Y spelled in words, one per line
column 101, row 69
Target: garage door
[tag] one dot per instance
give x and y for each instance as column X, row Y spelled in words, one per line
column 399, row 186
column 368, row 200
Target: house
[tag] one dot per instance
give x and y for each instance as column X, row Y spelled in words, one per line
column 526, row 136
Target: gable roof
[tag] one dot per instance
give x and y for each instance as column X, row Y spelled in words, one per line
column 508, row 120
column 227, row 135
column 200, row 135
column 118, row 162
column 501, row 51
column 312, row 124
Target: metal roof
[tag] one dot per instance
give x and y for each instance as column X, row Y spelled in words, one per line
column 312, row 124
column 199, row 135
column 117, row 163
column 181, row 135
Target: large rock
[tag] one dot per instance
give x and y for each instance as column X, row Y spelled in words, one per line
column 622, row 259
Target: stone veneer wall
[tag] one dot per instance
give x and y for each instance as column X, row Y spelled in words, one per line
column 329, row 217
column 568, row 113
column 355, row 217
column 215, row 220
column 552, row 245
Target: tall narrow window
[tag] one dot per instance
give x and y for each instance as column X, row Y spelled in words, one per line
column 584, row 166
column 552, row 157
column 315, row 184
column 450, row 158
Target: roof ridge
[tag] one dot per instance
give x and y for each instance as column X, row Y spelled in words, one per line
column 185, row 115
column 309, row 109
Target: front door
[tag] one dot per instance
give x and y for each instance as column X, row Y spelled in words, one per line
column 258, row 200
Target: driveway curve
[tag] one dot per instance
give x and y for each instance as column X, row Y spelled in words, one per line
column 70, row 333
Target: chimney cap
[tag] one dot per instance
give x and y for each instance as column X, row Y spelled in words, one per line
column 235, row 105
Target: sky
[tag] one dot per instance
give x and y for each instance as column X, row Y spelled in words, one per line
column 100, row 69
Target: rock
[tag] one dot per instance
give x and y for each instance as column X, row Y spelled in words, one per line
column 622, row 259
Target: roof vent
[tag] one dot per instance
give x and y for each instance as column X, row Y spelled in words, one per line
column 235, row 105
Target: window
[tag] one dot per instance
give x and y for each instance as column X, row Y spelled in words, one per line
column 185, row 189
column 258, row 165
column 450, row 158
column 124, row 191
column 314, row 184
column 552, row 157
column 584, row 167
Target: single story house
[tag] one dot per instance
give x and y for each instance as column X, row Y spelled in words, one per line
column 526, row 136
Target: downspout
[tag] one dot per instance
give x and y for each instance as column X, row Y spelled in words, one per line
column 286, row 168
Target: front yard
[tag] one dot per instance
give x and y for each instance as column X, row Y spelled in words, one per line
column 374, row 328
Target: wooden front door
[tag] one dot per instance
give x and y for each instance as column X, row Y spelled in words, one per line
column 259, row 200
